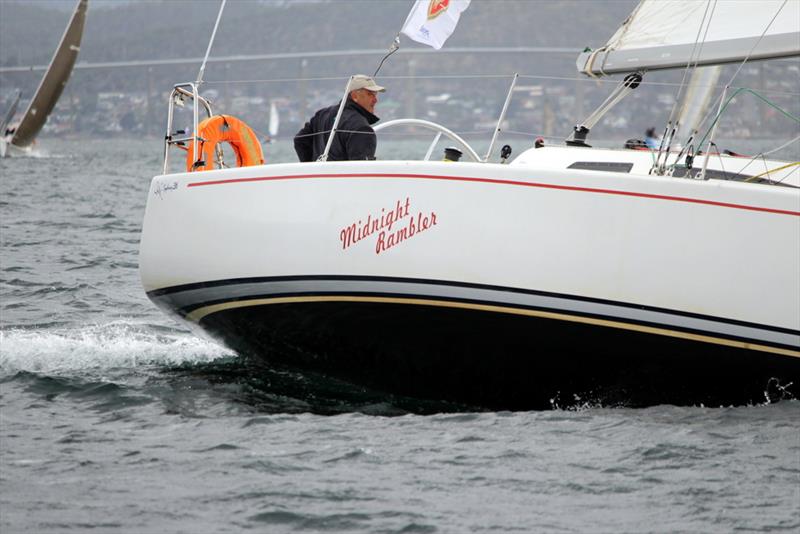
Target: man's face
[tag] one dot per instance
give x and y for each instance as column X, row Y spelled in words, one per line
column 365, row 98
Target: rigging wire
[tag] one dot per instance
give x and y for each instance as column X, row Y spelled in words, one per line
column 691, row 64
column 730, row 99
column 719, row 114
column 671, row 127
column 210, row 42
column 722, row 110
column 781, row 147
column 750, row 53
column 735, row 74
column 581, row 79
column 421, row 77
column 757, row 176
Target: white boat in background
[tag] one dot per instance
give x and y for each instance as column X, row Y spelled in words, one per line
column 567, row 274
column 7, row 118
column 17, row 139
column 274, row 121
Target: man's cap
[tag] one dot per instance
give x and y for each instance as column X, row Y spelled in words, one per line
column 362, row 81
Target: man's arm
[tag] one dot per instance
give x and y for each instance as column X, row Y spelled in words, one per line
column 362, row 144
column 303, row 143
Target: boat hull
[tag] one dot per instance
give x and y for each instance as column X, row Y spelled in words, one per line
column 8, row 150
column 490, row 285
column 483, row 354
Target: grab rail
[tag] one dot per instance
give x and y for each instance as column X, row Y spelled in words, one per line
column 177, row 97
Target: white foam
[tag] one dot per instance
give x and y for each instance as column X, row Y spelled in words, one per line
column 118, row 344
column 30, row 151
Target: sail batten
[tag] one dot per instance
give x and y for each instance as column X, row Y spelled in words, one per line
column 664, row 34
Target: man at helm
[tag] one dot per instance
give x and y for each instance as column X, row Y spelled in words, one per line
column 355, row 138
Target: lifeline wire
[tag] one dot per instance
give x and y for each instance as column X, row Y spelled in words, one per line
column 781, row 147
column 479, row 76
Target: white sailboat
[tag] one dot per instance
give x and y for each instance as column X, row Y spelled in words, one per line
column 17, row 139
column 568, row 273
column 7, row 118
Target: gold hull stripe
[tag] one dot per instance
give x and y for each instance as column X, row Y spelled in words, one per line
column 200, row 313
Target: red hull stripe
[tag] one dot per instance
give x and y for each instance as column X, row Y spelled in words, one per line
column 494, row 181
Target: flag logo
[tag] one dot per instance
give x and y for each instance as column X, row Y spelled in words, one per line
column 437, row 7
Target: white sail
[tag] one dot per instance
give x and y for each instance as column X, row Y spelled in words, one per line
column 10, row 112
column 662, row 34
column 53, row 82
column 274, row 120
column 696, row 100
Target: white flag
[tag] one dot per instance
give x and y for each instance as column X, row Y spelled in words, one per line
column 432, row 21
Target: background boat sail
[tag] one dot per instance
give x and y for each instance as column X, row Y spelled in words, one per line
column 274, row 121
column 10, row 112
column 23, row 135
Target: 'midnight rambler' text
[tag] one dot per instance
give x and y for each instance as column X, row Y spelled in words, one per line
column 391, row 226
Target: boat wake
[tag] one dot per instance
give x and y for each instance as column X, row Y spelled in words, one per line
column 118, row 352
column 39, row 153
column 146, row 357
column 774, row 391
column 119, row 344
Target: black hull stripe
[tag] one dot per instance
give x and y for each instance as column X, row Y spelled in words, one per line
column 180, row 298
column 199, row 314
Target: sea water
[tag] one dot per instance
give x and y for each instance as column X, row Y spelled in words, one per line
column 113, row 418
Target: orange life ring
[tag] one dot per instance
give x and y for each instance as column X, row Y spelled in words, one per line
column 228, row 129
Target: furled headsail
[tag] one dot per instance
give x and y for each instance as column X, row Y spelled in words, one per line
column 54, row 80
column 697, row 99
column 664, row 34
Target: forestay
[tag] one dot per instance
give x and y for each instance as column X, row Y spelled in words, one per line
column 662, row 34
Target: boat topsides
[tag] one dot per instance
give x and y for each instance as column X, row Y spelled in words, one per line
column 699, row 247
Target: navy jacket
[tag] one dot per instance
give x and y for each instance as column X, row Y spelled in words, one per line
column 354, row 139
